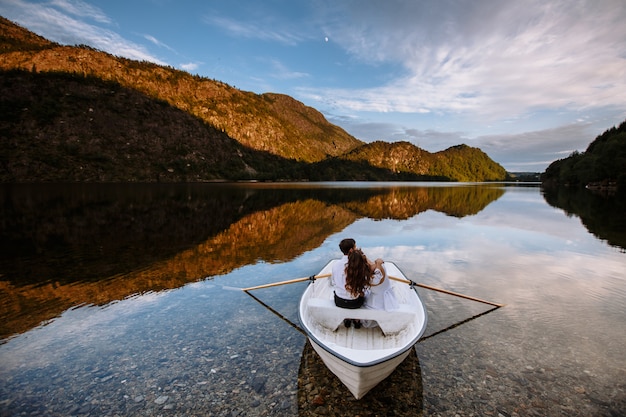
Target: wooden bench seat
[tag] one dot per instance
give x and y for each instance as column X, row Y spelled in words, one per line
column 328, row 315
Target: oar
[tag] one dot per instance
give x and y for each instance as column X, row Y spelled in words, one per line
column 291, row 281
column 456, row 294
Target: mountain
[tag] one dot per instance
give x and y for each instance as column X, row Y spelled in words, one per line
column 396, row 156
column 602, row 166
column 525, row 176
column 72, row 113
column 461, row 162
column 465, row 163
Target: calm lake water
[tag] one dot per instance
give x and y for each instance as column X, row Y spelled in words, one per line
column 127, row 300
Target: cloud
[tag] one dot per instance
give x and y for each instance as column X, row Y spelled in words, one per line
column 282, row 72
column 158, row 42
column 535, row 150
column 430, row 140
column 525, row 71
column 52, row 21
column 254, row 30
column 191, row 66
column 491, row 58
column 81, row 9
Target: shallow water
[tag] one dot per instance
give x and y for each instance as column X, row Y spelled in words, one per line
column 126, row 300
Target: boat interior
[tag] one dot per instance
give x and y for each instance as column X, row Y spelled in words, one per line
column 380, row 330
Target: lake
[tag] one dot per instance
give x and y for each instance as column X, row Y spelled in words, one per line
column 125, row 299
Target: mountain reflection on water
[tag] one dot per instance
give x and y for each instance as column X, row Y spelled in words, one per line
column 68, row 245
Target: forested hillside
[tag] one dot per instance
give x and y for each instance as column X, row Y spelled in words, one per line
column 461, row 162
column 602, row 165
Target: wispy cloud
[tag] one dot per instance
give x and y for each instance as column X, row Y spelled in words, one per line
column 190, row 66
column 254, row 30
column 534, row 150
column 281, row 71
column 67, row 22
column 81, row 9
column 157, row 42
column 491, row 58
column 528, row 68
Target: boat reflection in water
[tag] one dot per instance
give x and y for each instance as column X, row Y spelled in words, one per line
column 320, row 392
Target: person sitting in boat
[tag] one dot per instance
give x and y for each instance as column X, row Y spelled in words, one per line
column 350, row 283
column 381, row 295
column 343, row 298
column 355, row 277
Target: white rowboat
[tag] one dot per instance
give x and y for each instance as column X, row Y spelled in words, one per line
column 361, row 358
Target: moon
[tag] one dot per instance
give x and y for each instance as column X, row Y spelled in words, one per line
column 326, row 39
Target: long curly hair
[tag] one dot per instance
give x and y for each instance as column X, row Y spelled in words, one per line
column 358, row 273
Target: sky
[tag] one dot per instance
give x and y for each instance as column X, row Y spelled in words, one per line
column 527, row 81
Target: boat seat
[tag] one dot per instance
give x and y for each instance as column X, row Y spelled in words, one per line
column 328, row 315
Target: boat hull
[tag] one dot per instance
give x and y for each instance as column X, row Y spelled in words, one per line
column 359, row 380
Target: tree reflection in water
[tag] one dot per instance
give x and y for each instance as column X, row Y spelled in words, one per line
column 603, row 215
